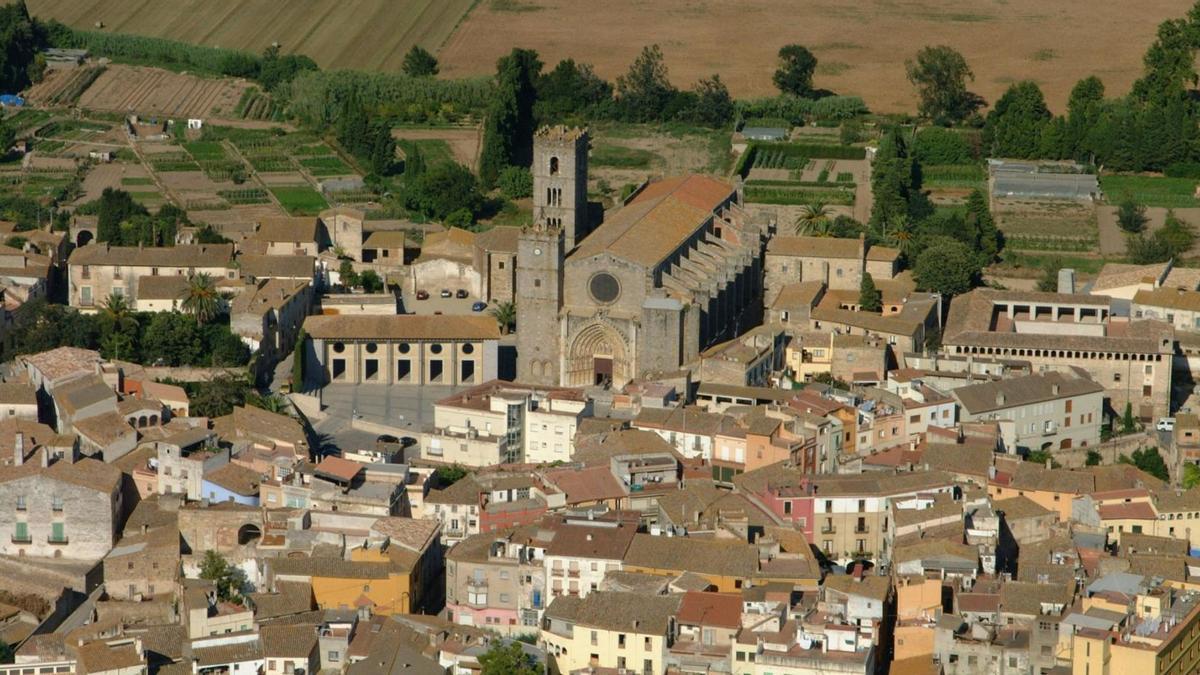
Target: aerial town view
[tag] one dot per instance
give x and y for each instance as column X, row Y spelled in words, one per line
column 554, row 337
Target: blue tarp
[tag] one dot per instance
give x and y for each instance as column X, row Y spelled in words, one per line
column 11, row 99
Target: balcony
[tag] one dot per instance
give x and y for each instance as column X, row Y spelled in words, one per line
column 60, row 541
column 1049, row 429
column 828, row 529
column 477, row 585
column 19, row 539
column 862, row 529
column 573, row 573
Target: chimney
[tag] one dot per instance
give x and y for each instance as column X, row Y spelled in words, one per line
column 19, row 449
column 1054, row 389
column 1000, row 398
column 45, row 457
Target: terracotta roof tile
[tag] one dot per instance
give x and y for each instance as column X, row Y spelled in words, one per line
column 184, row 255
column 658, row 220
column 402, row 327
column 711, row 609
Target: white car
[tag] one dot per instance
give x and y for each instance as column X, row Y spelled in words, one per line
column 1165, row 424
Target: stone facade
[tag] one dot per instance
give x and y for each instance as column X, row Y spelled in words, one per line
column 838, row 263
column 345, row 228
column 58, row 507
column 98, row 270
column 540, row 258
column 403, row 350
column 560, row 173
column 676, row 270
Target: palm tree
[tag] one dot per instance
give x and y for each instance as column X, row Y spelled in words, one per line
column 117, row 313
column 897, row 234
column 815, row 220
column 505, row 314
column 200, row 298
column 119, row 325
column 270, row 401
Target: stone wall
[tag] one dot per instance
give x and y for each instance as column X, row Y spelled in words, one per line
column 1110, row 451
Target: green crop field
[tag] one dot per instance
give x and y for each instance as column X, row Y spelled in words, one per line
column 205, row 150
column 326, row 166
column 299, row 200
column 1150, row 190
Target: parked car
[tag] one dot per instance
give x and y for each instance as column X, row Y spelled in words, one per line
column 446, row 293
column 478, row 306
column 1165, row 424
column 461, row 293
column 387, row 438
column 422, row 295
column 406, row 441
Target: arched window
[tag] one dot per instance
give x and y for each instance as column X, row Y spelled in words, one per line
column 553, row 166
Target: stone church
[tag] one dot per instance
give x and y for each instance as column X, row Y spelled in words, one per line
column 676, row 269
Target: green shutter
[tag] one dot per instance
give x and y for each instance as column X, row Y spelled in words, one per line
column 56, row 532
column 22, row 533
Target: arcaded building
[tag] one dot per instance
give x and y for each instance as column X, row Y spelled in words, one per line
column 675, row 270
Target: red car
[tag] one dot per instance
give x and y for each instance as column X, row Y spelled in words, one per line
column 422, row 295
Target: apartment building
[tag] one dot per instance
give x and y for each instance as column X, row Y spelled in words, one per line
column 57, row 505
column 96, row 271
column 628, row 632
column 497, row 580
column 1051, row 411
column 583, row 549
column 504, row 423
column 846, row 516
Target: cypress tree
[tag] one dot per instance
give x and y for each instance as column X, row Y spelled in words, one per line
column 870, row 299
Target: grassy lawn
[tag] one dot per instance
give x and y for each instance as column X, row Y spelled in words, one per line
column 205, row 150
column 619, row 157
column 300, row 200
column 326, row 166
column 434, row 151
column 1150, row 190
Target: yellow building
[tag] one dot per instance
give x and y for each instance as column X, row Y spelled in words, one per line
column 389, row 580
column 918, row 604
column 1162, row 638
column 341, row 584
column 609, row 630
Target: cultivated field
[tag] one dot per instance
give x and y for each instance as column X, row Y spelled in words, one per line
column 153, row 91
column 861, row 44
column 366, row 34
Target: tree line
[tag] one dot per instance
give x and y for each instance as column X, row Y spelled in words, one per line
column 1152, row 128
